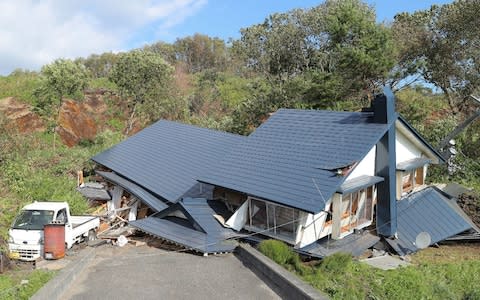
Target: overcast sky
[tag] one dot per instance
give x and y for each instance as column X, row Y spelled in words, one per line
column 35, row 32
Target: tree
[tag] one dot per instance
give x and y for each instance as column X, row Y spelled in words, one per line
column 60, row 79
column 279, row 47
column 99, row 66
column 322, row 57
column 143, row 77
column 442, row 45
column 329, row 53
column 166, row 50
column 201, row 52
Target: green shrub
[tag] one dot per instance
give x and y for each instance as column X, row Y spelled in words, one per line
column 278, row 251
column 336, row 263
column 283, row 255
column 20, row 84
column 116, row 124
column 472, row 295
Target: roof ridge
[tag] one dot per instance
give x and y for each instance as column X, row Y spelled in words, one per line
column 199, row 127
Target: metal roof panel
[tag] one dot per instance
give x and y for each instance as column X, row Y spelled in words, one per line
column 281, row 161
column 413, row 163
column 167, row 157
column 200, row 211
column 358, row 183
column 430, row 211
column 151, row 200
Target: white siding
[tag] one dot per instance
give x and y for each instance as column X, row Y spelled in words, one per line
column 405, row 149
column 239, row 218
column 312, row 228
column 366, row 165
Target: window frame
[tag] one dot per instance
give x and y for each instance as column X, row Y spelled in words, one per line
column 273, row 231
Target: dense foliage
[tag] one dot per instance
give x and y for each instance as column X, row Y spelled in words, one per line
column 442, row 46
column 143, row 79
column 62, row 78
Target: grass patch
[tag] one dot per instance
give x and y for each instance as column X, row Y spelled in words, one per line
column 282, row 254
column 12, row 287
column 21, row 85
column 35, row 172
column 448, row 272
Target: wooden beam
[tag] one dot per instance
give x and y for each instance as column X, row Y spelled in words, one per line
column 419, row 176
column 336, row 215
column 399, row 184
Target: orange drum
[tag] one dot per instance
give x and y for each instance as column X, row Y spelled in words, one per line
column 54, row 241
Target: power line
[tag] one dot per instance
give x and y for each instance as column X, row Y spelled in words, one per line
column 296, row 220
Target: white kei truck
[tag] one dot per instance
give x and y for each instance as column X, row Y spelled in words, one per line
column 25, row 241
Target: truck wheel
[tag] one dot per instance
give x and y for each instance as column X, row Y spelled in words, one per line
column 92, row 236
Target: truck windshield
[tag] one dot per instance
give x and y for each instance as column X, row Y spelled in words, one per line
column 33, row 219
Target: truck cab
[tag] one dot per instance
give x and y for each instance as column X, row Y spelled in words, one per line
column 26, row 235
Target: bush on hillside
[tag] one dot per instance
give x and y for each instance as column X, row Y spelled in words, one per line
column 336, row 263
column 283, row 255
column 278, row 251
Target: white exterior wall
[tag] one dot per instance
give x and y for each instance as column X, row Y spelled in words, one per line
column 312, row 227
column 405, row 149
column 239, row 218
column 366, row 165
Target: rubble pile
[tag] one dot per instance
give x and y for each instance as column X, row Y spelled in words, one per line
column 470, row 203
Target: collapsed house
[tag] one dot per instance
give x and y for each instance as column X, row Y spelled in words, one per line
column 321, row 181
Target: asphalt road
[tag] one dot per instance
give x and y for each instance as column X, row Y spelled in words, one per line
column 150, row 273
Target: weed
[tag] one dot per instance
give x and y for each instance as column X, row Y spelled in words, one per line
column 23, row 287
column 340, row 277
column 337, row 263
column 278, row 251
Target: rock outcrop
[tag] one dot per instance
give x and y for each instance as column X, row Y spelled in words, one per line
column 77, row 120
column 19, row 116
column 75, row 123
column 95, row 106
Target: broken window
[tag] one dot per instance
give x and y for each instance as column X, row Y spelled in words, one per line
column 412, row 179
column 356, row 209
column 275, row 220
column 258, row 214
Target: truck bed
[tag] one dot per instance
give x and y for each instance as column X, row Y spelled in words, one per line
column 80, row 220
column 81, row 225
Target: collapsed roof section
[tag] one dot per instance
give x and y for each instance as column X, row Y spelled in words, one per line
column 355, row 244
column 94, row 190
column 427, row 217
column 151, row 200
column 191, row 223
column 167, row 157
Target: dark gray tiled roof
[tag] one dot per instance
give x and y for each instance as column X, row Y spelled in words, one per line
column 355, row 243
column 430, row 211
column 289, row 159
column 151, row 200
column 174, row 231
column 413, row 163
column 202, row 211
column 93, row 191
column 167, row 157
column 358, row 183
column 209, row 238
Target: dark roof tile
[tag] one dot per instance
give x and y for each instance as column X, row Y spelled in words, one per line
column 284, row 159
column 167, row 157
column 430, row 211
